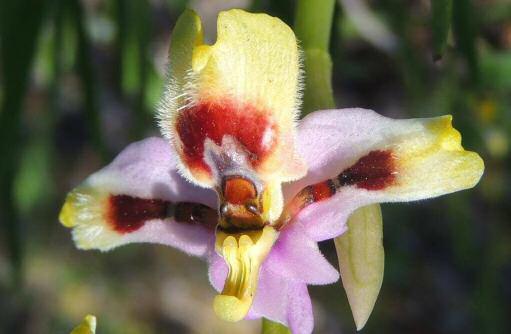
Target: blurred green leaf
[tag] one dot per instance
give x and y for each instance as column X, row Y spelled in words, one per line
column 465, row 30
column 496, row 70
column 155, row 83
column 86, row 73
column 133, row 34
column 130, row 62
column 34, row 183
column 413, row 71
column 20, row 23
column 496, row 12
column 283, row 9
column 441, row 12
column 177, row 5
column 69, row 39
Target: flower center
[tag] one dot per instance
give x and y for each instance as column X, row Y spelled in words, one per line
column 244, row 252
column 241, row 206
column 244, row 238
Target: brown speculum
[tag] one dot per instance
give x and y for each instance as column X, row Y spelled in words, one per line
column 241, row 206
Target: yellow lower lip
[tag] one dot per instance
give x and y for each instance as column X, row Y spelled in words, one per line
column 244, row 252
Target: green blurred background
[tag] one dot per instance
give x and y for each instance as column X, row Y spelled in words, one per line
column 79, row 81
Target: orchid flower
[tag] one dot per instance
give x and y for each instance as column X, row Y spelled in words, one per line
column 239, row 181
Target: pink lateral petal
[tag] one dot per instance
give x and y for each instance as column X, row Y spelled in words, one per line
column 284, row 301
column 217, row 271
column 297, row 257
column 141, row 180
column 271, row 300
column 300, row 316
column 149, row 169
column 368, row 158
column 278, row 298
column 329, row 141
column 327, row 219
column 191, row 239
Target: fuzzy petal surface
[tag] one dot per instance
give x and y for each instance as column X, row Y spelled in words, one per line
column 146, row 174
column 377, row 159
column 277, row 298
column 295, row 256
column 245, row 86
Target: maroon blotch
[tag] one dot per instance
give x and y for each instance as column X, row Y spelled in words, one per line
column 127, row 214
column 248, row 124
column 374, row 171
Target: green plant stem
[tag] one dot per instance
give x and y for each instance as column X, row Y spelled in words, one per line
column 441, row 14
column 313, row 25
column 465, row 31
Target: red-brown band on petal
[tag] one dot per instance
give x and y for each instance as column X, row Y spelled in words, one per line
column 127, row 214
column 248, row 124
column 194, row 213
column 323, row 190
column 374, row 171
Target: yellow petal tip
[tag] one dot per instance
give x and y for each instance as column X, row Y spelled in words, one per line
column 200, row 57
column 84, row 211
column 449, row 137
column 67, row 213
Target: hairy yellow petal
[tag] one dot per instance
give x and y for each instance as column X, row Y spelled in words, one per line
column 248, row 79
column 84, row 211
column 255, row 59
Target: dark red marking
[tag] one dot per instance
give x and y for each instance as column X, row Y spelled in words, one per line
column 194, row 213
column 247, row 123
column 374, row 171
column 127, row 214
column 322, row 190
